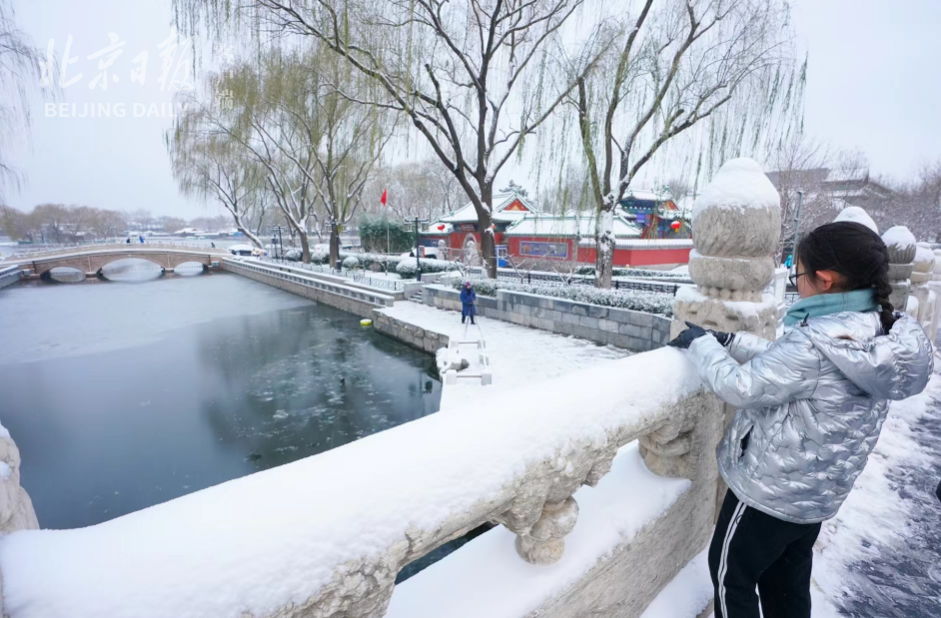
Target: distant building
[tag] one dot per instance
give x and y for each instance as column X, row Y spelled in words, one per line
column 459, row 230
column 526, row 236
column 846, row 188
column 655, row 213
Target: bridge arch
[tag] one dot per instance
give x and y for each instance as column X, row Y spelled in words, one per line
column 131, row 269
column 64, row 274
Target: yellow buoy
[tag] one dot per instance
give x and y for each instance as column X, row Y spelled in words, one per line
column 365, row 322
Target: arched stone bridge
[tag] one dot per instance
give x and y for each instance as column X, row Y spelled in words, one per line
column 91, row 259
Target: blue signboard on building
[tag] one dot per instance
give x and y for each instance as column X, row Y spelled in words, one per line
column 553, row 250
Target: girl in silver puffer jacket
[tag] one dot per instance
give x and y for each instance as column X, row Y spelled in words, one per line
column 810, row 408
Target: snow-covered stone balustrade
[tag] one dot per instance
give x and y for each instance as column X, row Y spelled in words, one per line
column 9, row 276
column 326, row 536
column 333, row 291
column 925, row 298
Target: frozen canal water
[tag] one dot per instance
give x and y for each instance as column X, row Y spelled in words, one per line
column 121, row 396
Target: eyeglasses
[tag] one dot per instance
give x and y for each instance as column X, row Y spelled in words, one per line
column 793, row 278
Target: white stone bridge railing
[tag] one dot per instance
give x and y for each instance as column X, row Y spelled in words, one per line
column 326, row 536
column 82, row 249
column 9, row 275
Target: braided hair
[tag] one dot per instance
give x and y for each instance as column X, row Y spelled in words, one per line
column 855, row 252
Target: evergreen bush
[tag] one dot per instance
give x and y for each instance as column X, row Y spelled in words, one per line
column 635, row 300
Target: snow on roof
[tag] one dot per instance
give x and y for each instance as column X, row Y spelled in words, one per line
column 857, row 215
column 468, row 213
column 738, row 185
column 860, row 175
column 567, row 226
column 647, row 195
column 899, row 236
column 644, row 243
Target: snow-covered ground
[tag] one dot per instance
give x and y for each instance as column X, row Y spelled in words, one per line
column 518, row 355
column 880, row 556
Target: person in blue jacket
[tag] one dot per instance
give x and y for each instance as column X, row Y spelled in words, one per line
column 468, row 298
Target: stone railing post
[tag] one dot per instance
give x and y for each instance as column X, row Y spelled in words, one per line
column 922, row 273
column 736, row 227
column 901, row 245
column 935, row 286
column 16, row 509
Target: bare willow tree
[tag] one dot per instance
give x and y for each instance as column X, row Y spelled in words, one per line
column 312, row 145
column 679, row 63
column 474, row 77
column 208, row 164
column 800, row 167
column 22, row 71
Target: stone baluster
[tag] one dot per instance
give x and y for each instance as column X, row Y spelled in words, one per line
column 16, row 509
column 935, row 286
column 921, row 275
column 736, row 227
column 901, row 245
column 544, row 511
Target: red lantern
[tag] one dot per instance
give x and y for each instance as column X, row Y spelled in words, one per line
column 441, row 227
column 676, row 225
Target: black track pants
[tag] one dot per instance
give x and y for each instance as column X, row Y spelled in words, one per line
column 751, row 549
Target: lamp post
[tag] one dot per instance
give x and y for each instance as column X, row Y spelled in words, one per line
column 277, row 228
column 415, row 222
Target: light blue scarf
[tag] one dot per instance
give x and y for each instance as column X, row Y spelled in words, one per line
column 825, row 304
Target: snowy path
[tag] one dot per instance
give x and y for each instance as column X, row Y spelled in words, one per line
column 880, row 557
column 518, row 355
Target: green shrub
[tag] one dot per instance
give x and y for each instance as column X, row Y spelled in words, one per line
column 381, row 233
column 407, row 267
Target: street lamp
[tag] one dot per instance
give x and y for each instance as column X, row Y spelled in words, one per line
column 280, row 245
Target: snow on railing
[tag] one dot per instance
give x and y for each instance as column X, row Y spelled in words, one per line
column 9, row 275
column 291, row 274
column 325, row 536
column 530, row 277
column 356, row 276
column 93, row 248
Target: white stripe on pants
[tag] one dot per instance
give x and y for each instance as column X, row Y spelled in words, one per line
column 723, row 560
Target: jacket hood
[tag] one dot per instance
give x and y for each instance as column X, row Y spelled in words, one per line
column 895, row 365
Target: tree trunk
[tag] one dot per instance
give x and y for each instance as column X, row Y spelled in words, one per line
column 305, row 247
column 605, row 245
column 334, row 244
column 487, row 245
column 240, row 226
column 485, row 225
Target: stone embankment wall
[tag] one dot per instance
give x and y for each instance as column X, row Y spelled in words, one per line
column 415, row 336
column 633, row 330
column 354, row 300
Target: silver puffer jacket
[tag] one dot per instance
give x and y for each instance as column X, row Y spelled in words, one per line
column 810, row 406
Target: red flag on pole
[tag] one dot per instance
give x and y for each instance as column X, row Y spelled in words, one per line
column 383, row 198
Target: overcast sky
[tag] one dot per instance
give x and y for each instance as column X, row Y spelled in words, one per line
column 874, row 84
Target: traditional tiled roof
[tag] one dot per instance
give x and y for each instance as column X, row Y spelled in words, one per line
column 568, row 226
column 508, row 208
